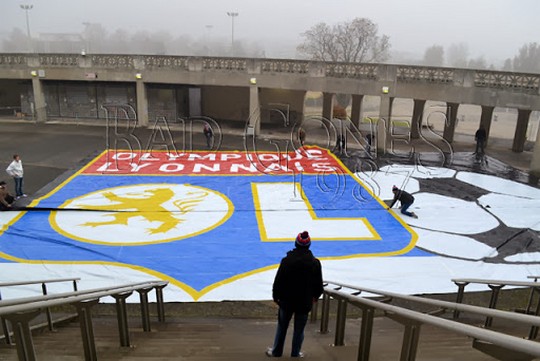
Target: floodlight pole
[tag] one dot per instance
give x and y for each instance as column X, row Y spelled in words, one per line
column 26, row 9
column 232, row 15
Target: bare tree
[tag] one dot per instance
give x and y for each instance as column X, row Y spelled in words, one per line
column 507, row 65
column 478, row 63
column 458, row 55
column 528, row 58
column 95, row 37
column 356, row 41
column 119, row 42
column 434, row 56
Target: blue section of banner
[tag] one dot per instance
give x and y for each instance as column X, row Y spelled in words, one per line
column 233, row 248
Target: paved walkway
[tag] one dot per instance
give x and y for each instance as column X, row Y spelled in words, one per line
column 61, row 144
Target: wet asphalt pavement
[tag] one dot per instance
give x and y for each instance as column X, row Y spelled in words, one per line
column 54, row 150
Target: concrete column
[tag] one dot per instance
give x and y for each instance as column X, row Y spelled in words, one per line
column 418, row 113
column 328, row 106
column 521, row 130
column 142, row 104
column 357, row 109
column 381, row 137
column 535, row 161
column 254, row 109
column 40, row 106
column 384, row 123
column 451, row 120
column 302, row 116
column 485, row 120
column 385, row 109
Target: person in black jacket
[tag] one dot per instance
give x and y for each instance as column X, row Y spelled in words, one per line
column 480, row 137
column 297, row 285
column 208, row 134
column 406, row 200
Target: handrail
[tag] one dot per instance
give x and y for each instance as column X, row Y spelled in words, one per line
column 496, row 286
column 528, row 309
column 72, row 297
column 21, row 311
column 21, row 283
column 496, row 282
column 511, row 316
column 506, row 341
column 18, row 301
column 43, row 283
column 485, row 340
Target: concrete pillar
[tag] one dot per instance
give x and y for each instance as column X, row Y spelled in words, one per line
column 384, row 123
column 418, row 114
column 142, row 104
column 381, row 137
column 302, row 116
column 254, row 109
column 451, row 121
column 40, row 106
column 485, row 120
column 521, row 130
column 357, row 109
column 535, row 161
column 328, row 106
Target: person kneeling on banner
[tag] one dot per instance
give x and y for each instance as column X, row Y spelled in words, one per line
column 406, row 200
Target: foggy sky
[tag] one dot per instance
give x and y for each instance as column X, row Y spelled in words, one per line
column 494, row 29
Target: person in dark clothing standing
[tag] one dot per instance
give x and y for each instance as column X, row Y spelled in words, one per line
column 341, row 144
column 406, row 200
column 297, row 285
column 480, row 137
column 209, row 134
column 301, row 136
column 369, row 142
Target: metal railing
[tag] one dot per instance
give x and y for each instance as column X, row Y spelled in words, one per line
column 531, row 297
column 21, row 311
column 496, row 286
column 485, row 340
column 43, row 283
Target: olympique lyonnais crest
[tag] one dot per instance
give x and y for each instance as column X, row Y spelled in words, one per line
column 201, row 219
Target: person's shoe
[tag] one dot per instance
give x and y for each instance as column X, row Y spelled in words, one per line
column 269, row 352
column 24, row 196
column 300, row 354
column 17, row 197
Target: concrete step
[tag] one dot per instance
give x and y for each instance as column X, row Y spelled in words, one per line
column 228, row 339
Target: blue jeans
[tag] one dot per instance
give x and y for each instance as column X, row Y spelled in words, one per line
column 18, row 186
column 404, row 207
column 284, row 317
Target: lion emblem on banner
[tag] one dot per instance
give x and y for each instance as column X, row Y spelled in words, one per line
column 142, row 214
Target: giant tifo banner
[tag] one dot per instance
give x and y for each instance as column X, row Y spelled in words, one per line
column 216, row 225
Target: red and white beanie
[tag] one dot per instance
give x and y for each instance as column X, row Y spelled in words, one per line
column 303, row 240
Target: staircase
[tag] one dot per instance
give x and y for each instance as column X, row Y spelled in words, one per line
column 233, row 339
column 243, row 330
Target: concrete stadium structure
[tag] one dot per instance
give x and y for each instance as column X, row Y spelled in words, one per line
column 76, row 85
